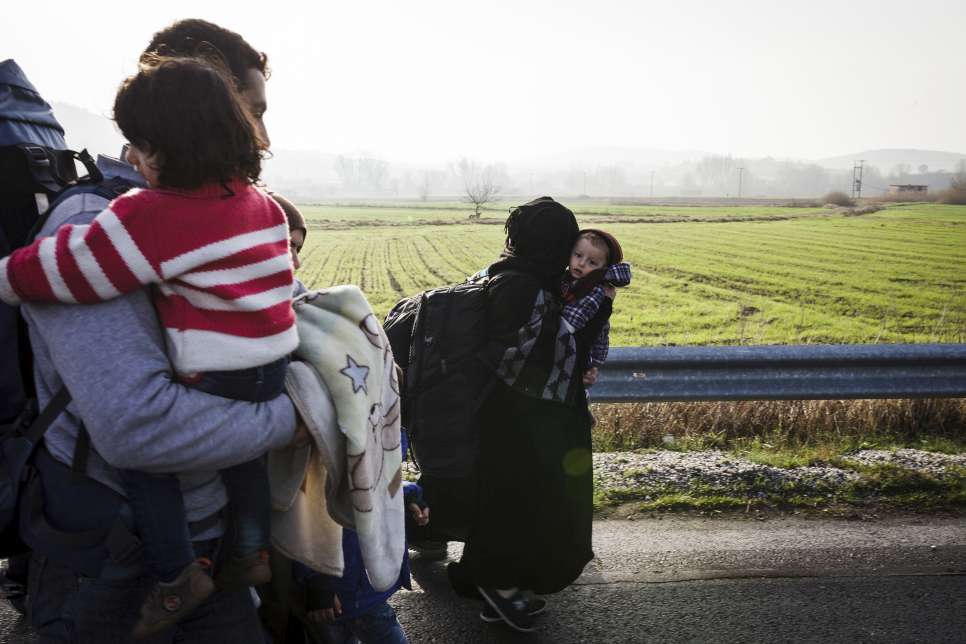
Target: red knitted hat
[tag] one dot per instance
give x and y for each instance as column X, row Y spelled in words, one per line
column 616, row 254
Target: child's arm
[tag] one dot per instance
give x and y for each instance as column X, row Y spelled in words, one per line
column 601, row 347
column 579, row 313
column 109, row 257
column 126, row 247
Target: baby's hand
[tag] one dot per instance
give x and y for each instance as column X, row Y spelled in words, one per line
column 419, row 513
column 610, row 291
column 590, row 376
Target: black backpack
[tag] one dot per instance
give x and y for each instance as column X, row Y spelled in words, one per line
column 438, row 338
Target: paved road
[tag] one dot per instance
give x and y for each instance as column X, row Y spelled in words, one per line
column 693, row 580
column 681, row 579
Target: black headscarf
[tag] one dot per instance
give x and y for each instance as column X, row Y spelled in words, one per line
column 540, row 235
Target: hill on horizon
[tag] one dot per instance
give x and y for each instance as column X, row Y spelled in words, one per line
column 97, row 133
column 888, row 158
column 86, row 129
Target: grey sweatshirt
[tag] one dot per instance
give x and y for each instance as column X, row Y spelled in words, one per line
column 112, row 358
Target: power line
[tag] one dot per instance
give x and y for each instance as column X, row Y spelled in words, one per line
column 857, row 178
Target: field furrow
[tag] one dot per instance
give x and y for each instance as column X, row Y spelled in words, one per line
column 896, row 276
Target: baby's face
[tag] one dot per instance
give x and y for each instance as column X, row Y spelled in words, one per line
column 586, row 258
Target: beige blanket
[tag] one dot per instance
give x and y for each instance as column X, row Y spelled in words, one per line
column 305, row 480
column 356, row 477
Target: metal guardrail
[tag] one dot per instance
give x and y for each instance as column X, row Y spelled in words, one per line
column 799, row 372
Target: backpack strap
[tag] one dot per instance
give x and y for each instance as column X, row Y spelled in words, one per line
column 37, row 168
column 43, row 421
column 82, row 449
column 92, row 183
column 443, row 351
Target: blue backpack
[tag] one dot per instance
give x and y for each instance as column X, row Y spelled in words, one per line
column 37, row 172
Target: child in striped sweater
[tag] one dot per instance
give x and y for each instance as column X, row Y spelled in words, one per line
column 215, row 250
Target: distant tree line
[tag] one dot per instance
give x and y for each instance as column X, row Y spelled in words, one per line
column 479, row 183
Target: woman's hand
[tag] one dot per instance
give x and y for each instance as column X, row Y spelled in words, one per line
column 590, row 376
column 302, row 436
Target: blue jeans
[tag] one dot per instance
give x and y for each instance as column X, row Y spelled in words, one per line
column 156, row 498
column 65, row 608
column 377, row 626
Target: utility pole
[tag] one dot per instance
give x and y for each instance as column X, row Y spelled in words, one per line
column 652, row 184
column 857, row 179
column 740, row 170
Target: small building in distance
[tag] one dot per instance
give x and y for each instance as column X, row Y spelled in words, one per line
column 908, row 189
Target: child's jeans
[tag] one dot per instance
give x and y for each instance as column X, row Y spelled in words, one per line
column 376, row 626
column 156, row 498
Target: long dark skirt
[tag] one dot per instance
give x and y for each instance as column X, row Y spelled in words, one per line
column 535, row 503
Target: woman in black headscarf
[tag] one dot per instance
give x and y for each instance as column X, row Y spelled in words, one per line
column 532, row 527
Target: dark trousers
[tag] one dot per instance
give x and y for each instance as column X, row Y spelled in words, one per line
column 156, row 498
column 66, row 608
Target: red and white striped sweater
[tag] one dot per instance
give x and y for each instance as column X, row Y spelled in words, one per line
column 220, row 261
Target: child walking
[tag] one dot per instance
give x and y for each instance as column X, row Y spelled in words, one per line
column 216, row 250
column 348, row 610
column 596, row 266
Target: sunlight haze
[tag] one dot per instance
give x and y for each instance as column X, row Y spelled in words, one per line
column 515, row 81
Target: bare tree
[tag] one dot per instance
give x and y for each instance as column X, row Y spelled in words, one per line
column 424, row 186
column 900, row 170
column 481, row 184
column 373, row 174
column 956, row 193
column 716, row 173
column 345, row 167
column 365, row 174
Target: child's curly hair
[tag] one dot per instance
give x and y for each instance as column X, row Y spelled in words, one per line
column 188, row 114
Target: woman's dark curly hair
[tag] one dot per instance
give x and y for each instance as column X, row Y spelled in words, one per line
column 542, row 232
column 188, row 114
column 185, row 37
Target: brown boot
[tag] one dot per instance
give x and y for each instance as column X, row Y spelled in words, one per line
column 240, row 572
column 169, row 602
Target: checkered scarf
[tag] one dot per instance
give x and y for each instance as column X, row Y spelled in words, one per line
column 579, row 311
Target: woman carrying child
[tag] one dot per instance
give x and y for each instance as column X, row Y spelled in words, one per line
column 532, row 530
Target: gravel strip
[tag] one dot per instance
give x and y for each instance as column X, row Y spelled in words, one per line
column 666, row 471
column 712, row 471
column 913, row 459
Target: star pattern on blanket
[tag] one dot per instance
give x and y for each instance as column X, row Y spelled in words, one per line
column 357, row 373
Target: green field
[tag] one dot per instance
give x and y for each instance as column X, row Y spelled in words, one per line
column 702, row 275
column 382, row 213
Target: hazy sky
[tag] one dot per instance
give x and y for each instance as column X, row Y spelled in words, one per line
column 504, row 80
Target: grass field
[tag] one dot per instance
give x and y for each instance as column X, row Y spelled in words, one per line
column 420, row 213
column 705, row 275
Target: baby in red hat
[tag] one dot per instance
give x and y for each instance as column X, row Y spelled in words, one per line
column 588, row 287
